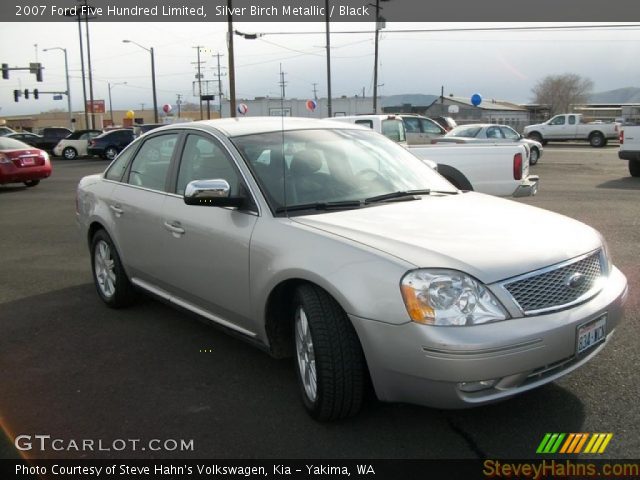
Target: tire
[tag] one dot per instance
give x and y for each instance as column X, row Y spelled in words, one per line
column 330, row 365
column 535, row 155
column 535, row 136
column 70, row 153
column 32, row 183
column 110, row 153
column 597, row 140
column 634, row 168
column 109, row 276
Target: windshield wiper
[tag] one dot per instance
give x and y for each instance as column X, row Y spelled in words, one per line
column 401, row 195
column 322, row 206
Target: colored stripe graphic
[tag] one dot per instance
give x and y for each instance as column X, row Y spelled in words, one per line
column 573, row 443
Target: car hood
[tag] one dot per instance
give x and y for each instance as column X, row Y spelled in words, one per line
column 487, row 237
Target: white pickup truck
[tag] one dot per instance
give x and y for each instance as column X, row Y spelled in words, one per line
column 501, row 170
column 571, row 126
column 630, row 148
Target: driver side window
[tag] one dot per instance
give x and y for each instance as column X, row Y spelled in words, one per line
column 151, row 163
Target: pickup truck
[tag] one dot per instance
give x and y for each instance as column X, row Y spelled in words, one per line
column 630, row 148
column 501, row 170
column 50, row 137
column 571, row 126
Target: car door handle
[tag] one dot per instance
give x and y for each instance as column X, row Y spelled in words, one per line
column 116, row 209
column 174, row 228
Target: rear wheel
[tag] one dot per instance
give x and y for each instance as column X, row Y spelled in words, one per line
column 330, row 364
column 69, row 153
column 32, row 183
column 634, row 168
column 597, row 140
column 110, row 153
column 535, row 155
column 109, row 276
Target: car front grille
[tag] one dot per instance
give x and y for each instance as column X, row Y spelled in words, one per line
column 559, row 286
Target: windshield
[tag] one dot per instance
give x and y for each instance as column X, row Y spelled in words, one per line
column 325, row 166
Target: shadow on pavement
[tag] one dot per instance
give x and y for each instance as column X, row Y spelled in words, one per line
column 74, row 369
column 625, row 183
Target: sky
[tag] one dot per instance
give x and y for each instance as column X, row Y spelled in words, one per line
column 503, row 65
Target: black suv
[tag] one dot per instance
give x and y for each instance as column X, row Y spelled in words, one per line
column 109, row 144
column 50, row 137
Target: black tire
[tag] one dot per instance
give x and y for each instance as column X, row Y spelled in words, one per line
column 535, row 155
column 535, row 136
column 70, row 153
column 634, row 168
column 597, row 140
column 110, row 153
column 32, row 183
column 335, row 353
column 122, row 292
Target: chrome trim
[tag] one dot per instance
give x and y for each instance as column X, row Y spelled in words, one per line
column 189, row 306
column 483, row 351
column 583, row 298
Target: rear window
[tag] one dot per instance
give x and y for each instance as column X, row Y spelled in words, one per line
column 394, row 130
column 468, row 132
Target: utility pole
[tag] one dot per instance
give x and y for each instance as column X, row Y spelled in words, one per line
column 375, row 60
column 178, row 103
column 86, row 26
column 142, row 107
column 315, row 91
column 84, row 83
column 282, row 83
column 199, row 76
column 328, row 34
column 219, row 74
column 232, row 71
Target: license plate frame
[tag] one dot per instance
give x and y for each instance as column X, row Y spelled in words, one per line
column 590, row 334
column 28, row 162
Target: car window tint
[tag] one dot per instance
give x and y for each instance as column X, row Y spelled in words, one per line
column 151, row 163
column 572, row 120
column 394, row 130
column 557, row 121
column 204, row 159
column 412, row 124
column 368, row 123
column 510, row 133
column 466, row 132
column 115, row 171
column 494, row 132
column 430, row 127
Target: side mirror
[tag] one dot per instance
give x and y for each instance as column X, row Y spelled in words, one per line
column 211, row 193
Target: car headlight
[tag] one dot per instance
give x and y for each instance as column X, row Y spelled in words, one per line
column 448, row 298
column 606, row 263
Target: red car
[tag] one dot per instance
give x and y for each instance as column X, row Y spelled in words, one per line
column 22, row 163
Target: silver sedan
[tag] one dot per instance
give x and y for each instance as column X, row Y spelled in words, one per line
column 328, row 243
column 492, row 133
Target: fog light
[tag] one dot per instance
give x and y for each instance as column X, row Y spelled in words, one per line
column 470, row 387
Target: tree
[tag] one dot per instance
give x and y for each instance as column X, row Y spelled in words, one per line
column 560, row 92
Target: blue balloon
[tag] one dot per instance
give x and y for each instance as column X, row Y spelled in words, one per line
column 476, row 99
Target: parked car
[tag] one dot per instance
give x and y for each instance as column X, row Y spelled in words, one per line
column 447, row 123
column 329, row 243
column 492, row 133
column 50, row 136
column 147, row 127
column 109, row 144
column 22, row 163
column 630, row 148
column 26, row 137
column 572, row 126
column 6, row 131
column 420, row 130
column 75, row 144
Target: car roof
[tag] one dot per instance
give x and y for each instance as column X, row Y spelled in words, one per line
column 235, row 127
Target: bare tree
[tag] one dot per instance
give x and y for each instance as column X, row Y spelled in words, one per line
column 560, row 92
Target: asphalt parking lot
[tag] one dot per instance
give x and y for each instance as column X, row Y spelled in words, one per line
column 74, row 369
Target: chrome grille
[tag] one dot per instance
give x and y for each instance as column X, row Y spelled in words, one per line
column 551, row 289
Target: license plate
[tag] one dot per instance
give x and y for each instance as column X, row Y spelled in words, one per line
column 28, row 161
column 591, row 334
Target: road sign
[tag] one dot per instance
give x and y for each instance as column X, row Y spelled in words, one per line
column 57, row 97
column 96, row 107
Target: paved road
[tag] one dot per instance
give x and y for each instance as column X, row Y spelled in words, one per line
column 73, row 369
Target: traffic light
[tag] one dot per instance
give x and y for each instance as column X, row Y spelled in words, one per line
column 16, row 95
column 35, row 93
column 5, row 71
column 26, row 93
column 39, row 73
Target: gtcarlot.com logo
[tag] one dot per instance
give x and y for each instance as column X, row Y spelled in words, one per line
column 574, row 443
column 47, row 443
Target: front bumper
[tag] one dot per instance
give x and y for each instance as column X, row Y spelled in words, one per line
column 425, row 365
column 528, row 187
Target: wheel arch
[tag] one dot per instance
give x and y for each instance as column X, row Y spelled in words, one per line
column 455, row 176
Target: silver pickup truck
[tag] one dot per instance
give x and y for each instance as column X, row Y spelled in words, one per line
column 630, row 148
column 571, row 126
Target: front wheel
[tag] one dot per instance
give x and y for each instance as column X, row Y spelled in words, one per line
column 634, row 168
column 109, row 276
column 110, row 153
column 535, row 136
column 535, row 155
column 69, row 153
column 330, row 364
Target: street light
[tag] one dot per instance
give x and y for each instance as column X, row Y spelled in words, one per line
column 110, row 105
column 153, row 77
column 68, row 92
